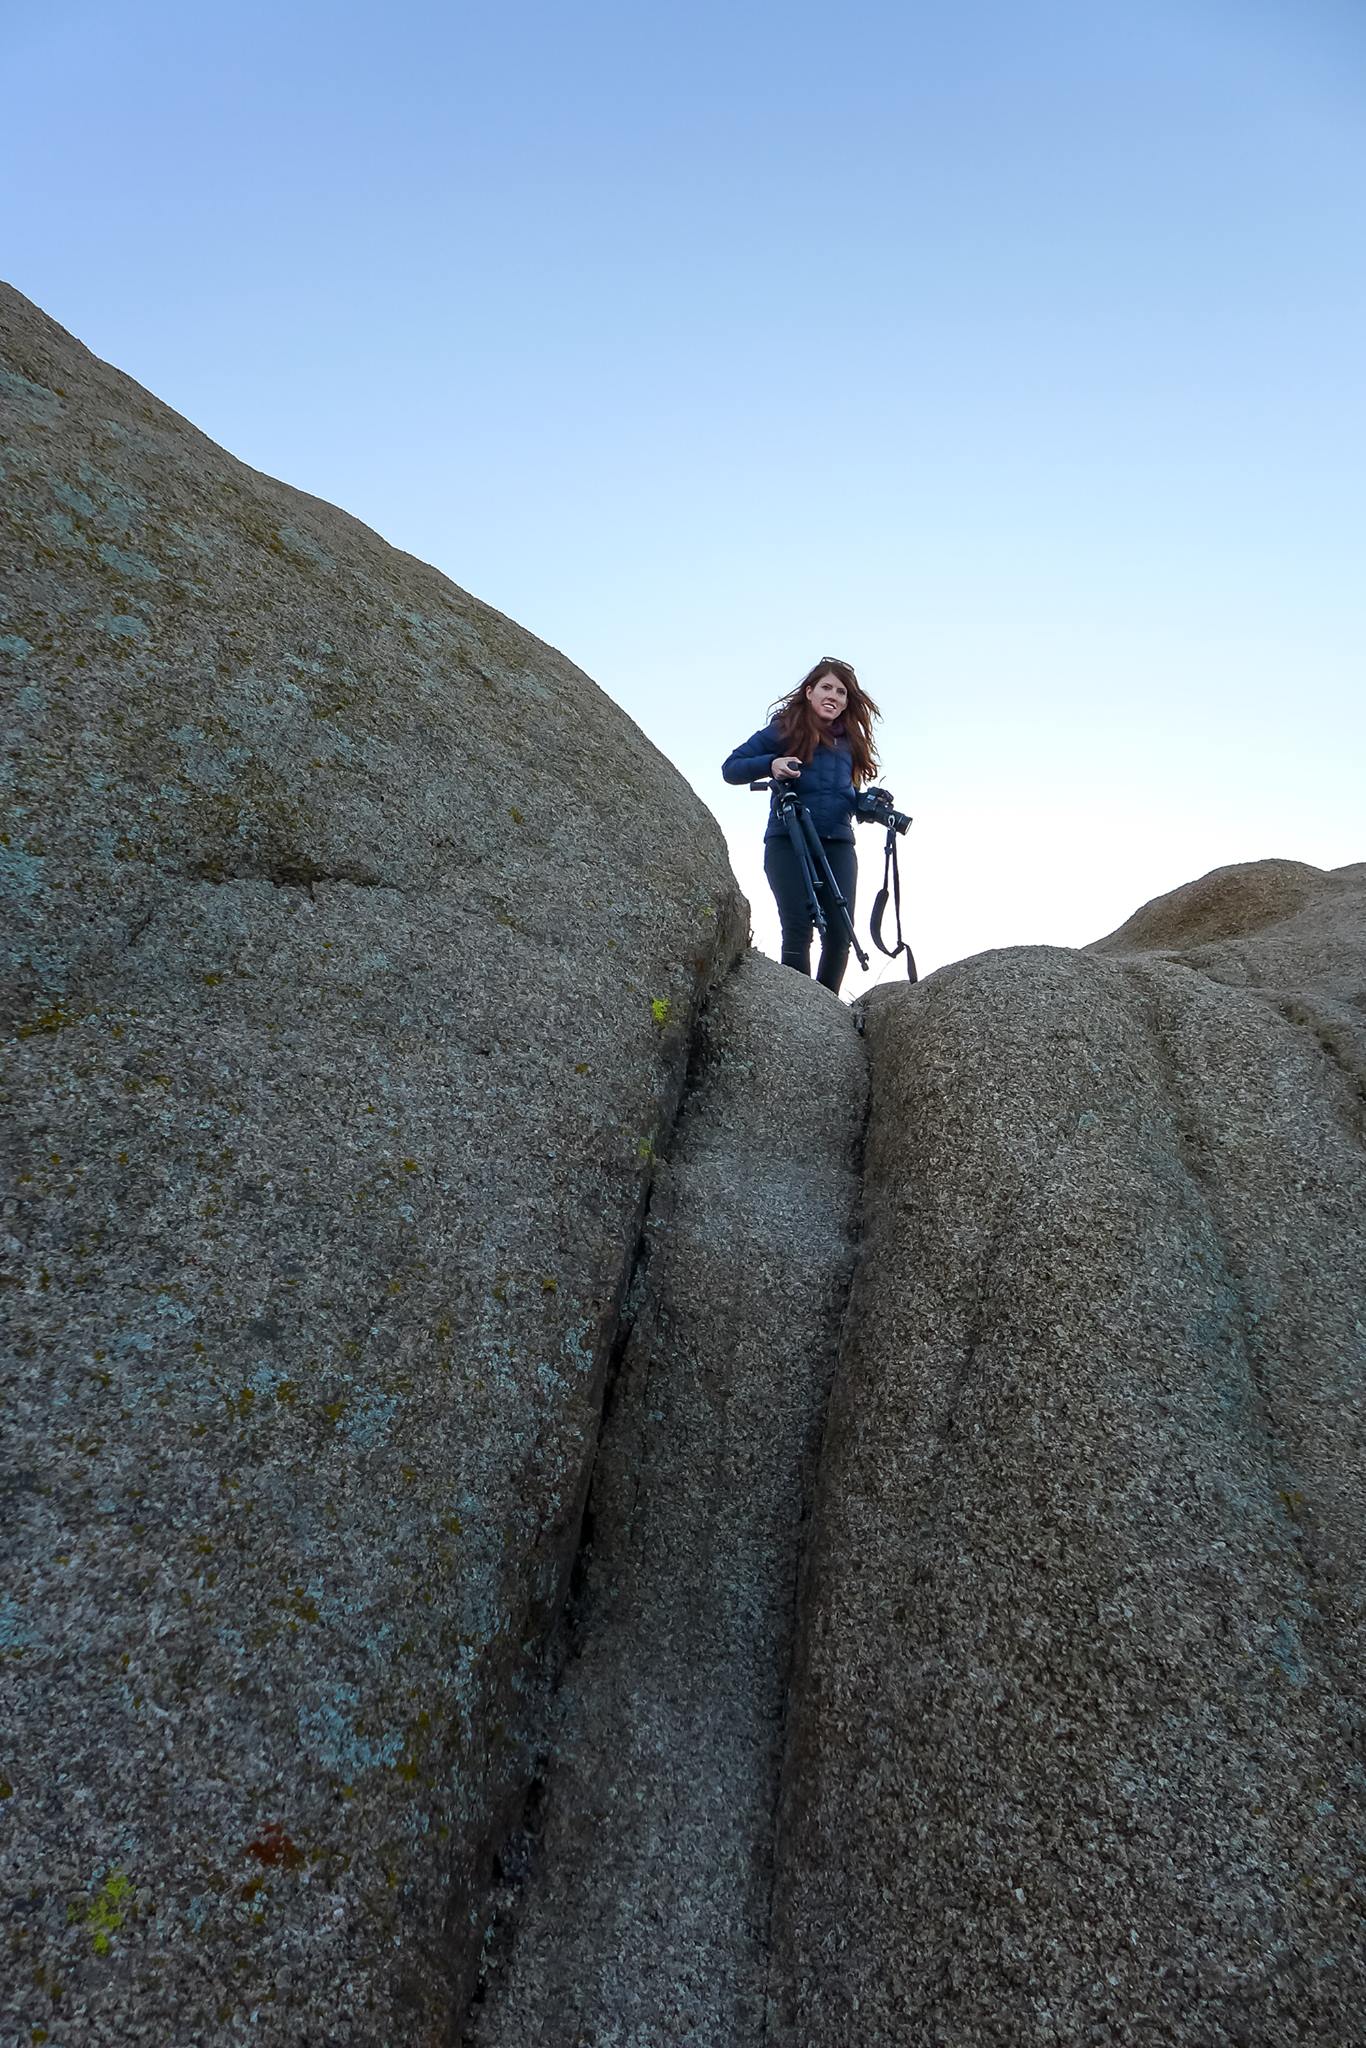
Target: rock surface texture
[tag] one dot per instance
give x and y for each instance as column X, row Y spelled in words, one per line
column 1077, row 1725
column 989, row 1675
column 351, row 944
column 642, row 1914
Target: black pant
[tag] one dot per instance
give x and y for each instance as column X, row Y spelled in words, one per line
column 785, row 880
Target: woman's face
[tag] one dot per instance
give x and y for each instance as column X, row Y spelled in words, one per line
column 827, row 697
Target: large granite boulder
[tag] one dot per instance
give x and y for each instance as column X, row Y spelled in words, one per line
column 354, row 950
column 351, row 947
column 1078, row 1718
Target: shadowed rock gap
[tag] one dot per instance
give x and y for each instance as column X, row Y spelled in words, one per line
column 796, row 1623
column 515, row 1858
column 646, row 1915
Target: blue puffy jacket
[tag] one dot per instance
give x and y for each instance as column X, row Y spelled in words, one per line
column 825, row 785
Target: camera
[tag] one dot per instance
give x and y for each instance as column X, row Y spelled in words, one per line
column 874, row 807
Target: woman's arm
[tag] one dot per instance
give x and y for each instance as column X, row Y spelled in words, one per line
column 753, row 757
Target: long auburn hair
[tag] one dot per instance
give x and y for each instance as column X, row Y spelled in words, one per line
column 802, row 732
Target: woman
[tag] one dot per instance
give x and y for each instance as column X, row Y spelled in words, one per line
column 820, row 739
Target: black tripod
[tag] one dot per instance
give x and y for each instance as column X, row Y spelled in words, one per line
column 872, row 807
column 812, row 864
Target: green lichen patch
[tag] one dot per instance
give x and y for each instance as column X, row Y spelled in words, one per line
column 56, row 1018
column 104, row 1915
column 299, row 1603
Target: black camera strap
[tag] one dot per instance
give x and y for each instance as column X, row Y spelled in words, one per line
column 891, row 886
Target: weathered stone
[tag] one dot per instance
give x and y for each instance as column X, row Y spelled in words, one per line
column 643, row 1915
column 352, row 951
column 1077, row 1736
column 351, row 947
column 1264, row 924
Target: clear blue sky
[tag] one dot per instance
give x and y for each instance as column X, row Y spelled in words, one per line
column 1014, row 350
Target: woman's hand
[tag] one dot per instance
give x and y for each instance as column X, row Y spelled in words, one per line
column 785, row 767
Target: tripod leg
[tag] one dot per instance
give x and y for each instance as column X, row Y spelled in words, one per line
column 843, row 914
column 834, row 960
column 787, row 863
column 796, row 821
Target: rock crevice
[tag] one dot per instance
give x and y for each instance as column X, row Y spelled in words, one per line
column 644, row 1916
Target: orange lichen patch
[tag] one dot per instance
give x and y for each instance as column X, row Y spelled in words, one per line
column 273, row 1847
